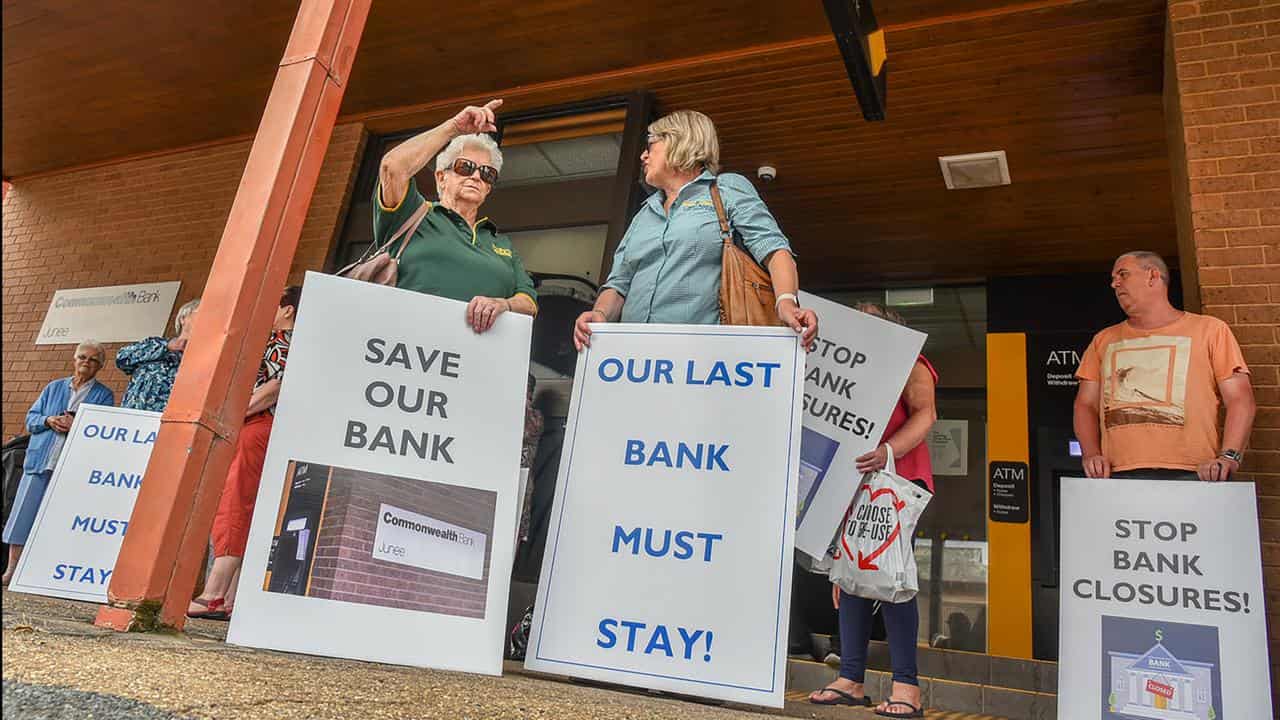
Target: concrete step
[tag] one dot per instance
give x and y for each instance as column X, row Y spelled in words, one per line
column 953, row 681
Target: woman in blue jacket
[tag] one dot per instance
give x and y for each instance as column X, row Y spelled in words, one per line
column 49, row 421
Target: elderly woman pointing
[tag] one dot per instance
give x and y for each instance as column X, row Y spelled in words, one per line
column 667, row 267
column 454, row 252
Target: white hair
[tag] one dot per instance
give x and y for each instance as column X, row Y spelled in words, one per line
column 455, row 147
column 93, row 345
column 184, row 312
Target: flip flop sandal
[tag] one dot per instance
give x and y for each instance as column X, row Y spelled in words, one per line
column 843, row 698
column 214, row 610
column 914, row 713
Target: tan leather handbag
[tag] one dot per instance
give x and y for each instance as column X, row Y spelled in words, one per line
column 377, row 265
column 746, row 291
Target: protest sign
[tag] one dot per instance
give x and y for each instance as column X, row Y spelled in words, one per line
column 853, row 378
column 669, row 554
column 76, row 536
column 385, row 523
column 1162, row 610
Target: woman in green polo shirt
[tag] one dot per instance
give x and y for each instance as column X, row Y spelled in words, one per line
column 455, row 252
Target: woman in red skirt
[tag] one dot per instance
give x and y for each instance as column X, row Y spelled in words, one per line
column 235, row 508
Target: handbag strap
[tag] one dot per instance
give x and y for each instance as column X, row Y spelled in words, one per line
column 410, row 225
column 726, row 230
column 726, row 234
column 408, row 228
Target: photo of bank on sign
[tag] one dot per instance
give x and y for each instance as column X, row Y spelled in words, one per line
column 669, row 554
column 361, row 537
column 1177, row 677
column 76, row 537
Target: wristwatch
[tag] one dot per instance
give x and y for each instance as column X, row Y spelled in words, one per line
column 1231, row 454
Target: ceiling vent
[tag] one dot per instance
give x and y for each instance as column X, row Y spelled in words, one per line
column 908, row 297
column 975, row 170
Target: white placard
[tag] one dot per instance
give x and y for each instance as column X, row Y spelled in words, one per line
column 120, row 313
column 949, row 447
column 1162, row 606
column 408, row 538
column 76, row 536
column 669, row 554
column 342, row 447
column 852, row 381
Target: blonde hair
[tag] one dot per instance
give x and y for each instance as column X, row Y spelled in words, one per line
column 691, row 140
column 184, row 312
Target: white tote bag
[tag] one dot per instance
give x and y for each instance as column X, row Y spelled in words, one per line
column 872, row 556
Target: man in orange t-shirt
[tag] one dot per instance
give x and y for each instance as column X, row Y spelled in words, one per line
column 1149, row 392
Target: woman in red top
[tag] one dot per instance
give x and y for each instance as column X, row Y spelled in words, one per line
column 904, row 436
column 240, row 491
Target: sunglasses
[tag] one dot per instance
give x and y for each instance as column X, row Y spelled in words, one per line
column 465, row 168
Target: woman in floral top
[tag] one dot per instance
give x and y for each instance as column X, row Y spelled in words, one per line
column 153, row 363
column 235, row 508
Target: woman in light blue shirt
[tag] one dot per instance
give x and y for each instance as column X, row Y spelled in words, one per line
column 667, row 267
column 49, row 421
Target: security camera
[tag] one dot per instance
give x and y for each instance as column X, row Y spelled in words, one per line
column 767, row 172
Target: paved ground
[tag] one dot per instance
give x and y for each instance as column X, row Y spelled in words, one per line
column 56, row 665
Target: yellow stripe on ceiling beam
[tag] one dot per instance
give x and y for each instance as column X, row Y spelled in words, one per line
column 875, row 47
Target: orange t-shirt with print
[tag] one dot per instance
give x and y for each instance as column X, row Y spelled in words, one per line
column 1160, row 398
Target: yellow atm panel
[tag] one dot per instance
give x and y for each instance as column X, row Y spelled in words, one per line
column 1008, row 497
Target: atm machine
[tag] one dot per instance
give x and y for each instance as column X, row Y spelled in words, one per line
column 1037, row 329
column 297, row 529
column 1052, row 358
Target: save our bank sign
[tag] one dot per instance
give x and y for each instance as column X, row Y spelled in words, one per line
column 669, row 554
column 76, row 536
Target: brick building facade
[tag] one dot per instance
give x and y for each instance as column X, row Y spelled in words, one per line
column 1222, row 90
column 160, row 218
column 144, row 220
column 344, row 568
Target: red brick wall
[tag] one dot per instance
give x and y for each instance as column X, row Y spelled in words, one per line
column 144, row 220
column 1226, row 55
column 344, row 568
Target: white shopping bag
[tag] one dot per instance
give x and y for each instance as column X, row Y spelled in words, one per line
column 872, row 556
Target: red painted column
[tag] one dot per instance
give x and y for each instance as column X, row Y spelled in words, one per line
column 169, row 530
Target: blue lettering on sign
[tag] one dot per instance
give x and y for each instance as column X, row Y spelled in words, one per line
column 659, row 638
column 659, row 371
column 118, row 434
column 686, row 545
column 719, row 374
column 80, row 574
column 114, row 479
column 99, row 526
column 699, row 456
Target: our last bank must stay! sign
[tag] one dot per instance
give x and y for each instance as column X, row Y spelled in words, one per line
column 669, row 555
column 73, row 545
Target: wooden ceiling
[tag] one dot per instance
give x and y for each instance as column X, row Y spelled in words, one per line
column 1070, row 89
